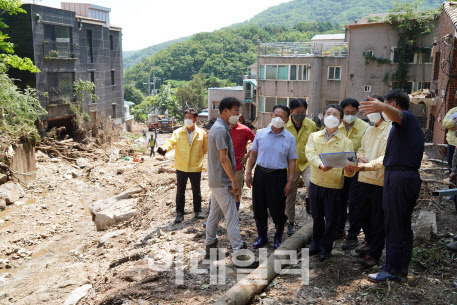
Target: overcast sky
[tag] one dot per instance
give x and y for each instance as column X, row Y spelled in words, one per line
column 145, row 23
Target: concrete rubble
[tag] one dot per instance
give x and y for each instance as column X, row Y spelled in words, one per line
column 425, row 226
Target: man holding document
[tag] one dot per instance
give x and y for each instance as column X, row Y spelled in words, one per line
column 325, row 191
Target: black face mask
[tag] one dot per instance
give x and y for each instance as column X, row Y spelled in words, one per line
column 298, row 117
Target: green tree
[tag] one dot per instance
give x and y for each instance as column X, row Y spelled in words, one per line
column 193, row 94
column 140, row 111
column 7, row 56
column 133, row 94
column 166, row 100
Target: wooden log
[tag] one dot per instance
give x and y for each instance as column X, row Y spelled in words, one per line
column 246, row 289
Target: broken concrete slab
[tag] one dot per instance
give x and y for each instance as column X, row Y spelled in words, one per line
column 83, row 162
column 107, row 236
column 108, row 212
column 425, row 226
column 77, row 295
column 10, row 192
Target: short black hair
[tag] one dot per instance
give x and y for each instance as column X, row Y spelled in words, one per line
column 378, row 97
column 398, row 95
column 350, row 102
column 285, row 108
column 191, row 111
column 297, row 102
column 337, row 107
column 228, row 103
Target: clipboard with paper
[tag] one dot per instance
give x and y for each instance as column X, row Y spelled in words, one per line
column 339, row 159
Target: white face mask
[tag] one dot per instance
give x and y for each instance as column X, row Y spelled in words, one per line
column 350, row 118
column 189, row 122
column 277, row 122
column 374, row 117
column 386, row 118
column 233, row 119
column 331, row 121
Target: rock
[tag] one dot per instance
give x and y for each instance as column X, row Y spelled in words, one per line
column 268, row 302
column 2, row 204
column 425, row 226
column 107, row 236
column 3, row 178
column 55, row 160
column 9, row 192
column 120, row 171
column 83, row 162
column 108, row 212
column 41, row 156
column 337, row 253
column 159, row 158
column 20, row 190
column 77, row 295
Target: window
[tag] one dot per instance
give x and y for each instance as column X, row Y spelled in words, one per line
column 270, row 102
column 114, row 111
column 281, row 101
column 369, row 53
column 395, row 56
column 215, row 105
column 111, row 43
column 60, row 87
column 262, row 72
column 367, row 88
column 283, row 72
column 112, row 78
column 334, row 73
column 423, row 85
column 90, row 53
column 436, row 65
column 271, row 72
column 293, row 72
column 426, row 56
column 59, row 41
column 303, row 72
column 92, row 76
column 261, row 104
column 409, row 86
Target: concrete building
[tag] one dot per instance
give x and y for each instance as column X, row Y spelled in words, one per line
column 68, row 44
column 444, row 77
column 215, row 95
column 327, row 69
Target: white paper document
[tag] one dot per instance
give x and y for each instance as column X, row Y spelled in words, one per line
column 339, row 159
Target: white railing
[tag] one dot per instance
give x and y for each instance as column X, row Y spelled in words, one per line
column 303, row 49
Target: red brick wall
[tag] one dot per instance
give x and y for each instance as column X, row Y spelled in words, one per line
column 437, row 112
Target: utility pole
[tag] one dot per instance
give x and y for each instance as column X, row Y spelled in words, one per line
column 154, row 78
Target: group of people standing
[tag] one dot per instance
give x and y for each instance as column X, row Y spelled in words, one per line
column 381, row 189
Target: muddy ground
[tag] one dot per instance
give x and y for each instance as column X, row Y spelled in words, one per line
column 52, row 246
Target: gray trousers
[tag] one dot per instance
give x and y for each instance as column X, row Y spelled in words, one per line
column 290, row 201
column 223, row 205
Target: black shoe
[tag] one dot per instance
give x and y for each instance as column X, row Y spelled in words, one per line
column 313, row 251
column 368, row 262
column 198, row 215
column 278, row 236
column 350, row 244
column 290, row 228
column 208, row 249
column 179, row 218
column 452, row 246
column 262, row 230
column 324, row 255
column 362, row 251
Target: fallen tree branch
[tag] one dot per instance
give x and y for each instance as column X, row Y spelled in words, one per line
column 246, row 289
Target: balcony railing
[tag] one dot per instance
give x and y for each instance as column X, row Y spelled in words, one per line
column 303, row 49
column 60, row 50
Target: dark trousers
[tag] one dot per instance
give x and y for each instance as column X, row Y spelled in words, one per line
column 152, row 151
column 324, row 203
column 181, row 178
column 450, row 154
column 268, row 195
column 351, row 197
column 401, row 190
column 372, row 218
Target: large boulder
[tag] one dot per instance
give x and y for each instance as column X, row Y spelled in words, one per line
column 425, row 226
column 108, row 212
column 83, row 162
column 10, row 192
